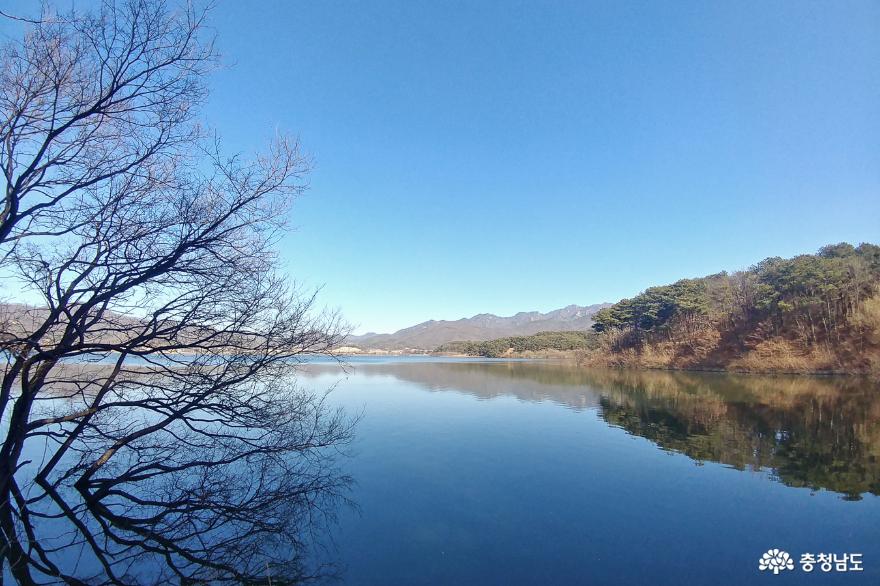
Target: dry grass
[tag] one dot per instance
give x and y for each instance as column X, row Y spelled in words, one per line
column 867, row 321
column 776, row 355
column 780, row 355
column 853, row 349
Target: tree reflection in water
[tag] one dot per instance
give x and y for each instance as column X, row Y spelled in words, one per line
column 810, row 432
column 815, row 432
column 201, row 499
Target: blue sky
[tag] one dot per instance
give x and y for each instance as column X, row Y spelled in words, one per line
column 504, row 156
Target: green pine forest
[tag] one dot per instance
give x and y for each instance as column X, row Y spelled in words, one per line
column 811, row 313
column 540, row 342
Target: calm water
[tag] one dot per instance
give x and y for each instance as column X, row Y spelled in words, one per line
column 472, row 472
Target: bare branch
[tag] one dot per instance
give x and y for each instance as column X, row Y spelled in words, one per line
column 156, row 380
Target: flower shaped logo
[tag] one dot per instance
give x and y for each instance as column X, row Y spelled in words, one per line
column 775, row 560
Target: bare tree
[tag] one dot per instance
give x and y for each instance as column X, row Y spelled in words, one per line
column 150, row 421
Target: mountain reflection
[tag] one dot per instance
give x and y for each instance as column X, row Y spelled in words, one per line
column 820, row 433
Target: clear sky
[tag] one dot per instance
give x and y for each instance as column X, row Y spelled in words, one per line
column 509, row 156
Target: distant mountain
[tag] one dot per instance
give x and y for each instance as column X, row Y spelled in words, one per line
column 481, row 327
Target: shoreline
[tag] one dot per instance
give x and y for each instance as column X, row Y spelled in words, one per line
column 569, row 357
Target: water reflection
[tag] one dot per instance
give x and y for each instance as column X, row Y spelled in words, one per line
column 815, row 432
column 198, row 500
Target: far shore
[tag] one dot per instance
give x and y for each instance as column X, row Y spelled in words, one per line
column 575, row 359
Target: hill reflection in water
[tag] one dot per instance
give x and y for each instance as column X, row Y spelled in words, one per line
column 814, row 432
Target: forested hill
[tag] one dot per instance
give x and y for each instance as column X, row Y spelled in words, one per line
column 814, row 312
column 546, row 342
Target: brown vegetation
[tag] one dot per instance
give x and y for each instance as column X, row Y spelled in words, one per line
column 811, row 313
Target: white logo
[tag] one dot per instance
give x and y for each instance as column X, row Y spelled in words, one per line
column 776, row 560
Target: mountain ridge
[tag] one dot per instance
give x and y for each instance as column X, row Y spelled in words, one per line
column 429, row 334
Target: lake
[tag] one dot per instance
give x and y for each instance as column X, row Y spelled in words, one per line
column 513, row 472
